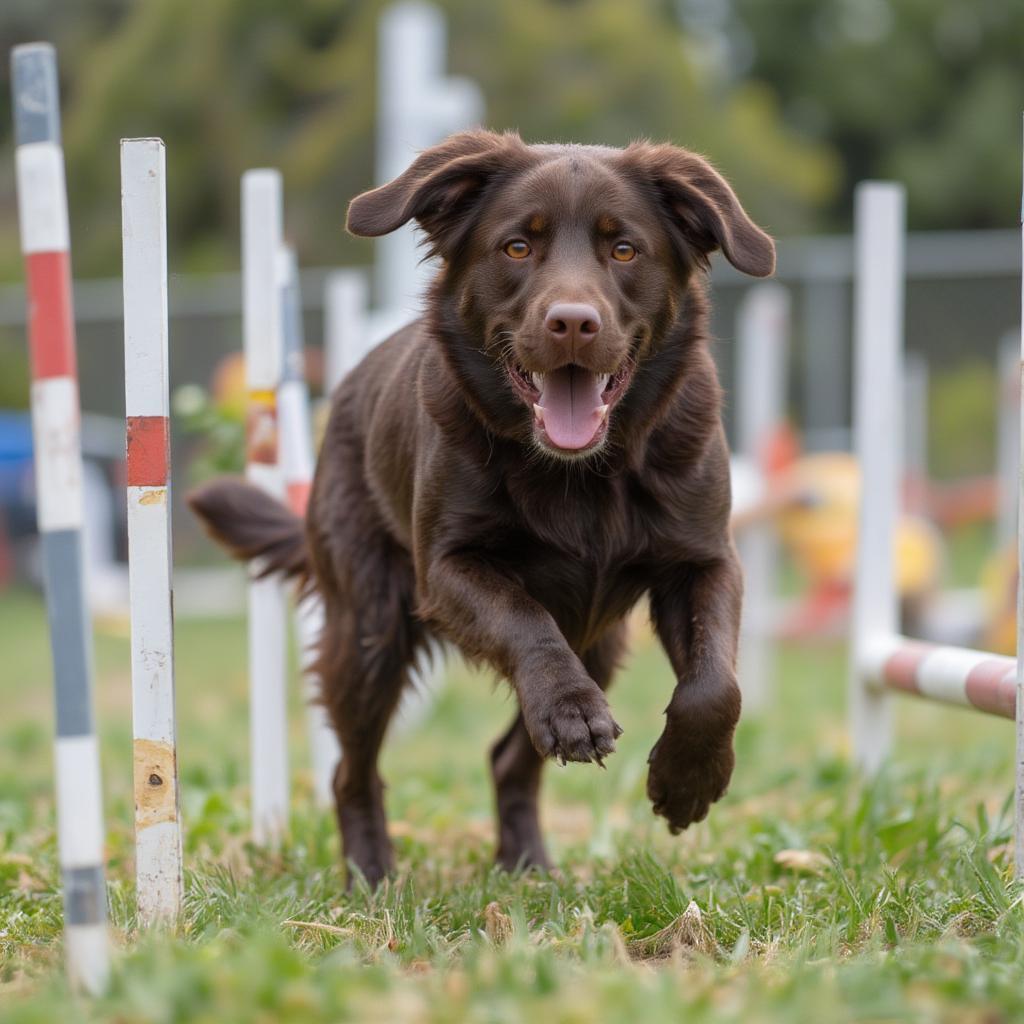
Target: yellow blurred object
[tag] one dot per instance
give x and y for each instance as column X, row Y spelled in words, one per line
column 229, row 391
column 919, row 554
column 819, row 526
column 999, row 590
column 820, row 523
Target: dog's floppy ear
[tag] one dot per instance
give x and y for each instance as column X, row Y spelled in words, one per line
column 703, row 207
column 439, row 186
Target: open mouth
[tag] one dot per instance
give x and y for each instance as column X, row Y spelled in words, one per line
column 571, row 405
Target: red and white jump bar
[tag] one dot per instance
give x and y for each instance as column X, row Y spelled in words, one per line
column 951, row 675
column 882, row 661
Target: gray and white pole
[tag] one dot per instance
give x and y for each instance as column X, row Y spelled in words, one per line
column 297, row 467
column 45, row 242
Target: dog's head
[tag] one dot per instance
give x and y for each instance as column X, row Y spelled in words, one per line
column 564, row 267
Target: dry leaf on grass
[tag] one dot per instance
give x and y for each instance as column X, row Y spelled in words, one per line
column 806, row 861
column 497, row 924
column 686, row 932
column 318, row 926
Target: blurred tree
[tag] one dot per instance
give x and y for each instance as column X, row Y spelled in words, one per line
column 925, row 91
column 962, row 436
column 231, row 84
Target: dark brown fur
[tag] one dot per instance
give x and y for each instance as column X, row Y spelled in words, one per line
column 440, row 509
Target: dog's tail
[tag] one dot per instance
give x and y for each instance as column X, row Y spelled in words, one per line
column 252, row 524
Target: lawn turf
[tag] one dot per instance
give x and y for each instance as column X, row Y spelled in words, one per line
column 895, row 906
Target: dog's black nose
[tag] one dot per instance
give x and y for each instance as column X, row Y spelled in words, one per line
column 575, row 323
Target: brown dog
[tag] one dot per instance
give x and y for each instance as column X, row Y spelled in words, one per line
column 515, row 470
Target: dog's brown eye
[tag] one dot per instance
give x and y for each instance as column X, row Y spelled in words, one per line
column 623, row 252
column 518, row 249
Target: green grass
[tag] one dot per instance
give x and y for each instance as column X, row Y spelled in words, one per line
column 902, row 911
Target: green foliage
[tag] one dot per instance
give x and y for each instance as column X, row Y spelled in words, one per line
column 231, row 84
column 962, row 439
column 925, row 91
column 219, row 433
column 904, row 911
column 14, row 372
column 797, row 100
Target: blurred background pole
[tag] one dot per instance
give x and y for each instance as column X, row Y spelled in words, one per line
column 1007, row 440
column 879, row 218
column 824, row 365
column 46, row 245
column 763, row 354
column 268, row 705
column 297, row 462
column 417, row 107
column 346, row 329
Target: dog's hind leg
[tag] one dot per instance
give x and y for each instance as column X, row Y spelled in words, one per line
column 367, row 650
column 369, row 643
column 516, row 770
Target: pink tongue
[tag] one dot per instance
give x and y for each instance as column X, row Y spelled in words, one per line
column 571, row 400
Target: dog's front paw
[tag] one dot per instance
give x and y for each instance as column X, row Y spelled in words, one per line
column 574, row 724
column 686, row 779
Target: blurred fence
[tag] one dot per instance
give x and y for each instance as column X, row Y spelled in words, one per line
column 962, row 296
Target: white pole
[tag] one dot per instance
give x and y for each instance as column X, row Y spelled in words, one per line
column 878, row 435
column 1007, row 440
column 417, row 107
column 297, row 462
column 1019, row 777
column 346, row 331
column 158, row 875
column 763, row 337
column 261, row 245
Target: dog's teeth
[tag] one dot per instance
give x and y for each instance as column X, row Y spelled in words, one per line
column 538, row 381
column 538, row 414
column 602, row 411
column 603, row 380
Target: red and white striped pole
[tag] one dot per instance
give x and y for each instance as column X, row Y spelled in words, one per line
column 261, row 283
column 297, row 465
column 45, row 242
column 158, row 876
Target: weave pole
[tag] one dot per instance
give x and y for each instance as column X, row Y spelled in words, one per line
column 158, row 876
column 1019, row 707
column 297, row 465
column 346, row 297
column 45, row 242
column 261, row 284
column 763, row 343
column 878, row 381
